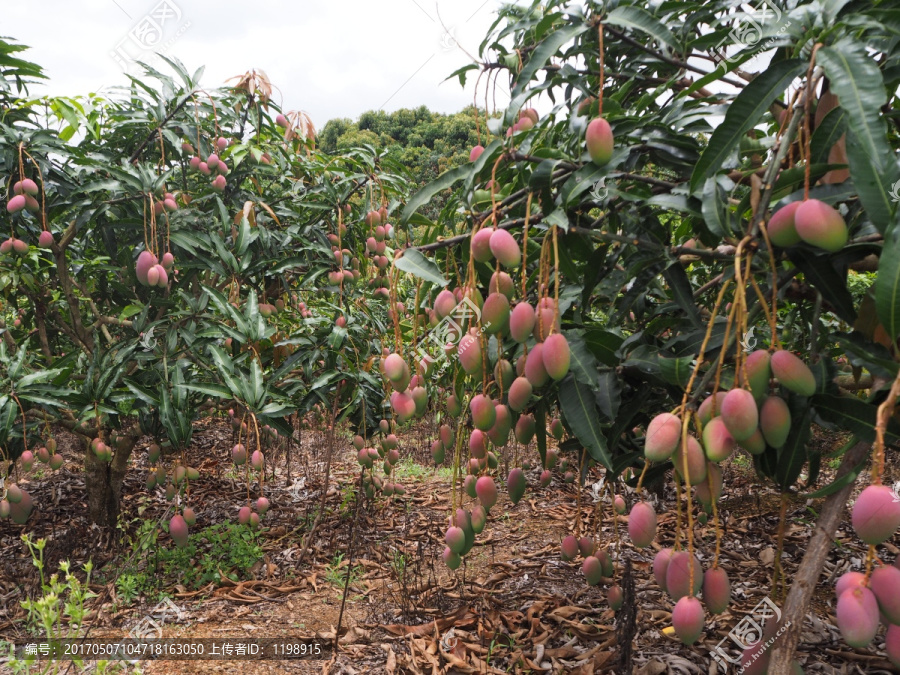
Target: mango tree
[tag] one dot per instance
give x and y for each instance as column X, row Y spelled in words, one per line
column 668, row 258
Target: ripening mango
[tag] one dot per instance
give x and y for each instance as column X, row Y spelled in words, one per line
column 455, row 539
column 516, row 483
column 587, row 547
column 481, row 245
column 706, row 495
column 525, row 429
column 521, row 322
column 178, row 530
column 706, row 410
column 454, row 407
column 716, row 590
column 740, row 414
column 593, row 570
column 569, row 548
column 438, row 453
column 451, row 559
column 445, row 303
column 520, row 392
column 848, row 580
column 476, row 153
column 556, row 356
column 718, row 443
column 145, row 262
column 495, row 314
column 504, row 374
column 599, row 140
column 688, row 619
column 534, row 367
column 469, row 483
column 15, row 204
column 876, row 514
column 505, row 248
column 501, row 282
column 662, row 438
column 499, row 432
column 821, row 225
column 615, row 598
column 755, row 444
column 696, row 462
column 661, row 565
column 781, row 228
column 45, row 239
column 892, row 644
column 775, row 421
column 484, row 413
column 486, row 489
column 792, row 373
column 678, row 575
column 20, row 511
column 546, row 319
column 642, row 524
column 885, row 584
column 857, row 616
column 758, row 373
column 464, row 521
column 470, row 355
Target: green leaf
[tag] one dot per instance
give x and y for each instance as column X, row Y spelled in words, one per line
column 415, row 263
column 604, row 344
column 863, row 353
column 609, row 394
column 792, row 455
column 856, row 79
column 716, row 211
column 853, row 414
column 577, row 403
column 216, row 390
column 677, row 371
column 445, row 181
column 887, row 284
column 543, row 53
column 682, row 292
column 833, row 286
column 743, row 114
column 829, row 132
column 635, row 17
column 583, row 364
column 836, row 485
column 257, row 388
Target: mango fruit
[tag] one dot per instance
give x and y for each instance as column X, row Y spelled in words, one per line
column 821, row 225
column 599, row 139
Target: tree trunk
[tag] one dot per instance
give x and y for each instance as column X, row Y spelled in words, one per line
column 103, row 484
column 806, row 580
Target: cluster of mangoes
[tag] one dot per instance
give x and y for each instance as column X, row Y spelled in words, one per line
column 749, row 416
column 150, row 271
column 386, row 449
column 213, row 164
column 864, row 601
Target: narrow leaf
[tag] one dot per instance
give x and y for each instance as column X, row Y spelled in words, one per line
column 743, row 114
column 577, row 402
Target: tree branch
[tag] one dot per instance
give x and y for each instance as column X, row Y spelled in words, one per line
column 137, row 153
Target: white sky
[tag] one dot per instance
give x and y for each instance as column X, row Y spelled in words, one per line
column 332, row 59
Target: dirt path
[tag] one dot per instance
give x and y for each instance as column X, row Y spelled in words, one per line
column 513, row 607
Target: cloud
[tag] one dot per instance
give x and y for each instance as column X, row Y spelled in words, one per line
column 331, row 59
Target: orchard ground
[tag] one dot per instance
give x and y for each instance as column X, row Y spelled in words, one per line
column 513, row 607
